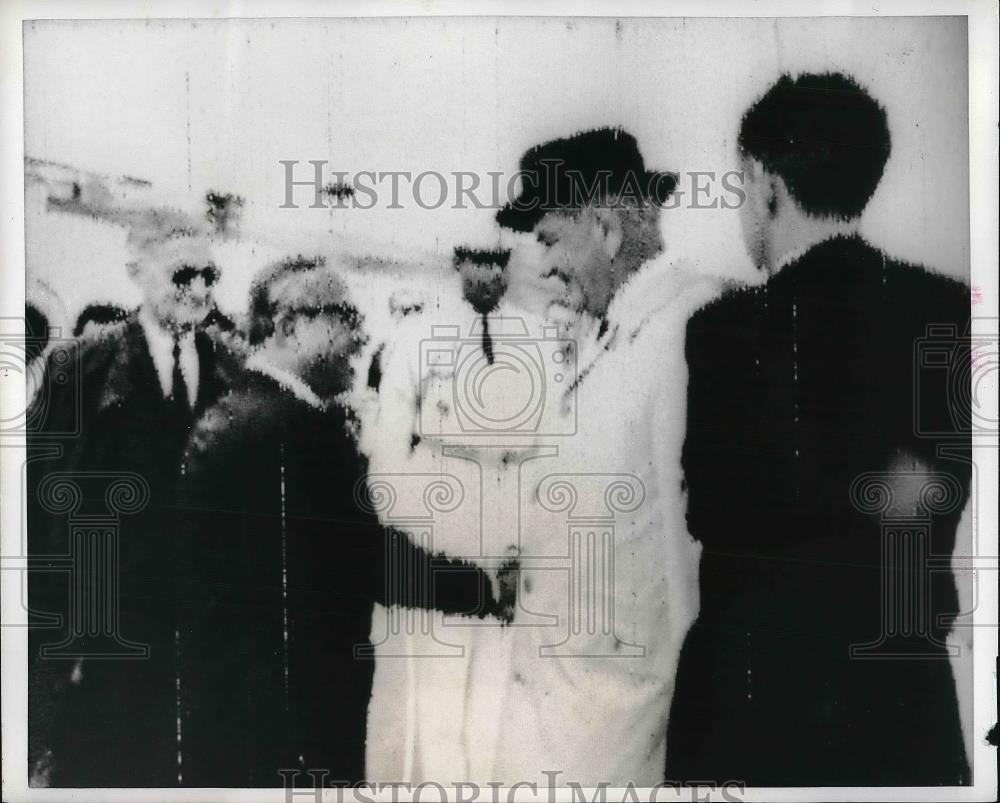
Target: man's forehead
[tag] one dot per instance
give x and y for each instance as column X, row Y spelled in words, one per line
column 559, row 218
column 563, row 218
column 485, row 267
column 316, row 288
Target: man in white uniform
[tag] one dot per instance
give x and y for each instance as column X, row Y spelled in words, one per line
column 603, row 544
column 582, row 682
column 424, row 434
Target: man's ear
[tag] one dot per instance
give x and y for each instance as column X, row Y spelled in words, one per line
column 650, row 231
column 777, row 195
column 132, row 268
column 612, row 232
column 285, row 326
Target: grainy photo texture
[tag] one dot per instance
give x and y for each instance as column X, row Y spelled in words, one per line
column 499, row 402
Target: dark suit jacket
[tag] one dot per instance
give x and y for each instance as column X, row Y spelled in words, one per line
column 284, row 563
column 796, row 388
column 114, row 725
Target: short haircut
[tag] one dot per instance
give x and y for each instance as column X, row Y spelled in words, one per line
column 825, row 136
column 100, row 314
column 481, row 256
column 36, row 331
column 263, row 308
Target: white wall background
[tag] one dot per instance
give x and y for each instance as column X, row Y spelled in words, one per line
column 215, row 104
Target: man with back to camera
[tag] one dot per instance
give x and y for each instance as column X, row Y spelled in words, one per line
column 797, row 388
column 111, row 721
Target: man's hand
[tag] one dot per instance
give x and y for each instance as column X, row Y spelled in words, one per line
column 212, row 423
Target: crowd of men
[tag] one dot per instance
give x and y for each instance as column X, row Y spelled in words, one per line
column 720, row 428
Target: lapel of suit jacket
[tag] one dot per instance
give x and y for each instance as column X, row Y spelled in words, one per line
column 218, row 367
column 207, row 379
column 130, row 363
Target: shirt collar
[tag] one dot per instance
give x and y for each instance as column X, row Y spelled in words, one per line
column 652, row 287
column 160, row 343
column 797, row 253
column 647, row 294
column 286, row 379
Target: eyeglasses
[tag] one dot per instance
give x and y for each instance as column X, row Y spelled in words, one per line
column 186, row 274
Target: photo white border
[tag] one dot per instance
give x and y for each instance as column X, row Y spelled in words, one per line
column 983, row 154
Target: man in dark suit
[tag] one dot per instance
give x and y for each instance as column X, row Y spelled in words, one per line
column 798, row 388
column 103, row 710
column 286, row 556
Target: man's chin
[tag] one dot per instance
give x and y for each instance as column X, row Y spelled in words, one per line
column 330, row 379
column 564, row 318
column 561, row 311
column 194, row 319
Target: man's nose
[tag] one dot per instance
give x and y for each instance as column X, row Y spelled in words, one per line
column 357, row 340
column 198, row 286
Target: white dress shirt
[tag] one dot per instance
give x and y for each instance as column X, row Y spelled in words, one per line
column 161, row 349
column 297, row 387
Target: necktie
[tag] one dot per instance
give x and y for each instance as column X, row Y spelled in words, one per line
column 375, row 369
column 179, row 390
column 487, row 341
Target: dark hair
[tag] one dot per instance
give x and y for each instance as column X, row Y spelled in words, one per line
column 101, row 314
column 482, row 256
column 824, row 136
column 602, row 166
column 36, row 331
column 262, row 309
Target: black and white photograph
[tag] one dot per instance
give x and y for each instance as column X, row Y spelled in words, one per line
column 498, row 402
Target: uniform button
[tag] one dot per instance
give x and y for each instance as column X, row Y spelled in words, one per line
column 519, row 678
column 527, row 585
